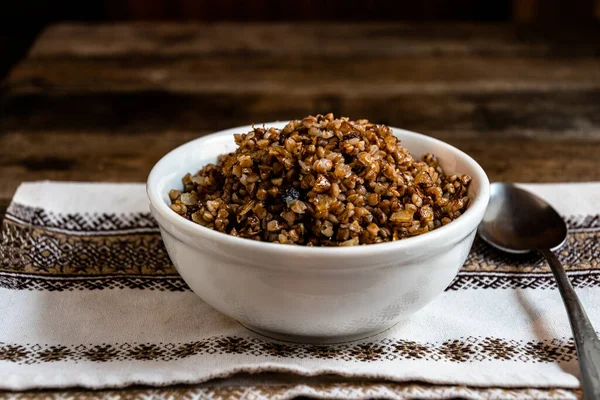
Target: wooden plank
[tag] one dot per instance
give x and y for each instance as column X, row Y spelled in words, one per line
column 310, row 38
column 93, row 156
column 553, row 115
column 305, row 75
column 145, row 86
column 31, row 156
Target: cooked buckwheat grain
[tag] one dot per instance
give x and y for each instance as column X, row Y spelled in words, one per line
column 322, row 181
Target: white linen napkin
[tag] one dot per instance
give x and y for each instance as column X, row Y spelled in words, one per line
column 89, row 298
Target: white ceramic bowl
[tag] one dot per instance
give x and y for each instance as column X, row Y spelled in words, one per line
column 316, row 294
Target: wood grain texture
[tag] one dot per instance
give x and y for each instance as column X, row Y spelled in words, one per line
column 90, row 156
column 307, row 74
column 312, row 38
column 104, row 103
column 551, row 115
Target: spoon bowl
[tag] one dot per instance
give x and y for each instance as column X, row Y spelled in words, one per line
column 517, row 221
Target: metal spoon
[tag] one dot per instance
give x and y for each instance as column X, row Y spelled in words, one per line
column 517, row 221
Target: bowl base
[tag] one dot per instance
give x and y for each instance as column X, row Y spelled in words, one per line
column 284, row 337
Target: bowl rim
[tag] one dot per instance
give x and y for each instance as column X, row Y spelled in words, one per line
column 450, row 233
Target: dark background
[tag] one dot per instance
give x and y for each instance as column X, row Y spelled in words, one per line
column 22, row 20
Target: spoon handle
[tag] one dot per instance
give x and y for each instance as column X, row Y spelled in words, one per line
column 586, row 340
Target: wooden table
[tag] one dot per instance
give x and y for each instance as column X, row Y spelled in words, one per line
column 105, row 102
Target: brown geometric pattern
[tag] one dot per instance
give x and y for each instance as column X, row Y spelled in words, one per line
column 460, row 350
column 477, row 280
column 581, row 252
column 582, row 223
column 337, row 390
column 57, row 252
column 37, row 283
column 82, row 223
column 33, row 250
column 37, row 259
column 488, row 268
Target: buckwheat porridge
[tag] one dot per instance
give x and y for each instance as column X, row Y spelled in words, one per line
column 322, row 181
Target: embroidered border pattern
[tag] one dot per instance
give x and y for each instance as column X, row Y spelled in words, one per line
column 100, row 223
column 460, row 350
column 32, row 250
column 34, row 258
column 337, row 390
column 488, row 268
column 33, row 283
column 326, row 390
column 82, row 223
